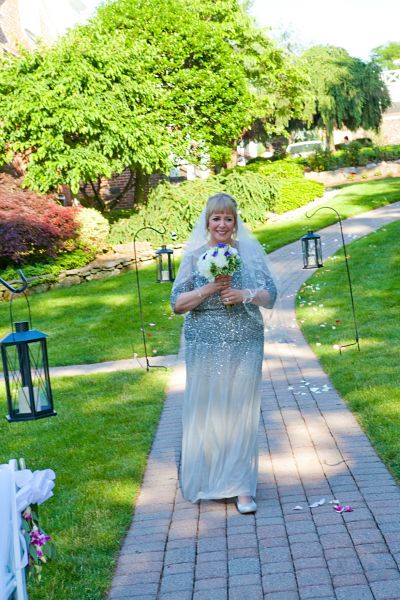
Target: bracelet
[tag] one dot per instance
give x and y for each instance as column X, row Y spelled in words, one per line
column 249, row 296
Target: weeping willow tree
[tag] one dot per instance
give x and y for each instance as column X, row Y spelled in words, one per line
column 344, row 91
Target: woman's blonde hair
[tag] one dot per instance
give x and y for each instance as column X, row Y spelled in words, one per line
column 223, row 203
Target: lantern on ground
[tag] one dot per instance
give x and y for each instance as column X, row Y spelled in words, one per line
column 312, row 250
column 26, row 368
column 165, row 265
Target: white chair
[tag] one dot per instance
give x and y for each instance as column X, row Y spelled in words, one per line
column 13, row 551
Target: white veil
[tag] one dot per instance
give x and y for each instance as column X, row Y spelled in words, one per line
column 255, row 266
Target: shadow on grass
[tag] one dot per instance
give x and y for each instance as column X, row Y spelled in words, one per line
column 368, row 379
column 99, row 320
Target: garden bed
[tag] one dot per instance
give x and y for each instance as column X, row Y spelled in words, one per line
column 373, row 170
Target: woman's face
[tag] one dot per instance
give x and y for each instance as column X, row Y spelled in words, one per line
column 221, row 226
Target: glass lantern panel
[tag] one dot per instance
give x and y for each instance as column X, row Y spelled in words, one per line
column 29, row 388
column 164, row 274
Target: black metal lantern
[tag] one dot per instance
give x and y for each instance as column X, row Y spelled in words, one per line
column 165, row 265
column 312, row 250
column 26, row 366
column 26, row 374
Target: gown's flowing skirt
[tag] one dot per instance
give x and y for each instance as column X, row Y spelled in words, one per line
column 224, row 350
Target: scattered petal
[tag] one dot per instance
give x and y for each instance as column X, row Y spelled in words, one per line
column 152, row 324
column 318, row 503
column 298, row 507
column 318, row 344
column 340, row 509
column 314, row 389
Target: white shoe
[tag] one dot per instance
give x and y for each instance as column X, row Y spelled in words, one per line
column 249, row 507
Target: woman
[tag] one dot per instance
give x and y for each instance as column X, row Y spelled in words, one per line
column 224, row 336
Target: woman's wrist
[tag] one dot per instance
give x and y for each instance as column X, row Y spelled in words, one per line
column 248, row 296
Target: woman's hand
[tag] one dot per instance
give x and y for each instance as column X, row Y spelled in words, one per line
column 232, row 296
column 220, row 284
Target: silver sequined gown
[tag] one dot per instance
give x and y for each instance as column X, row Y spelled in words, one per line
column 224, row 352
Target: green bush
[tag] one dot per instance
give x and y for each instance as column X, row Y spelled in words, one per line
column 281, row 169
column 93, row 229
column 53, row 267
column 353, row 155
column 294, row 193
column 177, row 207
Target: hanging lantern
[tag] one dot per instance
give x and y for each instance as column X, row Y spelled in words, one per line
column 165, row 265
column 312, row 251
column 26, row 374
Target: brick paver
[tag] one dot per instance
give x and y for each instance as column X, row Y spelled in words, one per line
column 311, row 447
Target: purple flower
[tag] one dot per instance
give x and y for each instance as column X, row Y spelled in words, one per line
column 215, row 253
column 221, row 245
column 227, row 253
column 38, row 538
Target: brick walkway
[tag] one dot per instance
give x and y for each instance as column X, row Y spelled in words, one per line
column 311, row 447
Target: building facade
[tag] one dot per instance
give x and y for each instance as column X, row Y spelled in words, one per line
column 24, row 22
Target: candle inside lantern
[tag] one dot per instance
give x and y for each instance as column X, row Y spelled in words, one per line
column 24, row 405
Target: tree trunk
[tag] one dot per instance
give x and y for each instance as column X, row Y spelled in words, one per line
column 141, row 187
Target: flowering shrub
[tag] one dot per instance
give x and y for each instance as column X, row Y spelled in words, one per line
column 93, row 229
column 39, row 544
column 32, row 227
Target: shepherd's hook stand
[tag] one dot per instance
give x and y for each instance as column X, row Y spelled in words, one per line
column 162, row 233
column 357, row 342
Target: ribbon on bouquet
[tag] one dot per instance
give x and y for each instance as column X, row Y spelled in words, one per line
column 33, row 488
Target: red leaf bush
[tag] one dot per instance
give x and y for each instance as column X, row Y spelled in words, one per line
column 31, row 226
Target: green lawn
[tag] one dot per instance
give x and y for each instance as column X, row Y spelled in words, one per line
column 368, row 380
column 98, row 446
column 351, row 200
column 99, row 320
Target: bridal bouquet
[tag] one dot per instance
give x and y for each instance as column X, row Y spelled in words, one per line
column 221, row 259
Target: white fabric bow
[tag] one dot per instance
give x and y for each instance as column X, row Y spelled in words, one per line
column 33, row 488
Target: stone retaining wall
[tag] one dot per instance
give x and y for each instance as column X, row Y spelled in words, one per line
column 108, row 265
column 373, row 170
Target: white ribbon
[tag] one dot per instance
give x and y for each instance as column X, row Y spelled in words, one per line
column 33, row 488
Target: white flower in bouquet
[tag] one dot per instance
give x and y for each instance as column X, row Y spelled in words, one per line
column 221, row 259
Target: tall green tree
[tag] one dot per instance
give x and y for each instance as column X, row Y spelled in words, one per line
column 144, row 81
column 386, row 55
column 344, row 91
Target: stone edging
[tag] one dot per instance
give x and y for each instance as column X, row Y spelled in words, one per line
column 101, row 268
column 373, row 170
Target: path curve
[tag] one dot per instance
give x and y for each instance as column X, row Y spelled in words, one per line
column 311, row 447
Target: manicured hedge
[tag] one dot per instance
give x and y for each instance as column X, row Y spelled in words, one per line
column 353, row 155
